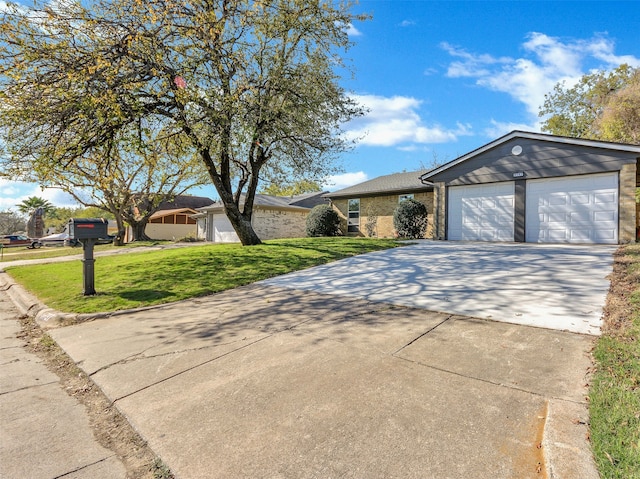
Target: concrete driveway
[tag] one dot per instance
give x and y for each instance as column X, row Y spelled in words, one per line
column 276, row 381
column 559, row 287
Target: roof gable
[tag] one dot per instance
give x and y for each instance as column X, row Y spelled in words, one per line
column 162, row 213
column 506, row 142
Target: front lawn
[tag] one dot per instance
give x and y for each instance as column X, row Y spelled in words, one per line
column 615, row 387
column 143, row 279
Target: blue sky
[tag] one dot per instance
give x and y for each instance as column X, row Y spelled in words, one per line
column 443, row 78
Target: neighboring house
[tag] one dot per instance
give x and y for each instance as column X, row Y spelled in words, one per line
column 366, row 209
column 172, row 224
column 173, row 220
column 273, row 217
column 533, row 187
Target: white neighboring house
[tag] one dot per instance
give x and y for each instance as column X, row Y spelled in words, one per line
column 273, row 217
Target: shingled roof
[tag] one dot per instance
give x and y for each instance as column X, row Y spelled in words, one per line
column 301, row 202
column 388, row 184
column 185, row 201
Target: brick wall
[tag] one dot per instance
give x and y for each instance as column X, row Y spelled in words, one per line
column 381, row 207
column 628, row 207
column 272, row 224
column 440, row 193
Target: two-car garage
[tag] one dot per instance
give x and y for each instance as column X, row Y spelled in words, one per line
column 538, row 188
column 577, row 209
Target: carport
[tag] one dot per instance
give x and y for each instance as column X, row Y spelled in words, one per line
column 538, row 188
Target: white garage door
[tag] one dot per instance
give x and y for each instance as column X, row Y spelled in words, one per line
column 580, row 209
column 481, row 212
column 223, row 232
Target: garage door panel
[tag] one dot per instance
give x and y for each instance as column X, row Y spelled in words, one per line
column 481, row 212
column 580, row 199
column 557, row 235
column 606, row 198
column 556, row 200
column 604, row 216
column 581, row 209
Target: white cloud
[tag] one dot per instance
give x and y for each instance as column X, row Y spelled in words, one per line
column 407, row 23
column 393, row 121
column 337, row 182
column 14, row 192
column 352, row 31
column 547, row 61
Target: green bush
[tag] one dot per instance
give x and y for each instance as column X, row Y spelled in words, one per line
column 323, row 221
column 410, row 219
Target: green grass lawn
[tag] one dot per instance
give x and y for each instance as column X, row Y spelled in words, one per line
column 143, row 279
column 615, row 387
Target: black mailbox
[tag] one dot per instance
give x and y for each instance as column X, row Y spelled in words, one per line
column 87, row 228
column 88, row 231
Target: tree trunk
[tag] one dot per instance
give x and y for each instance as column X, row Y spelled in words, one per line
column 119, row 239
column 138, row 231
column 242, row 226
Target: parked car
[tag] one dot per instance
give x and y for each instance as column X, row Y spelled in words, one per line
column 19, row 240
column 63, row 239
column 58, row 239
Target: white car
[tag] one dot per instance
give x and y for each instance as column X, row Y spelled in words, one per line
column 57, row 239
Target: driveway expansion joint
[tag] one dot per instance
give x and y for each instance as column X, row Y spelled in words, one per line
column 423, row 334
column 475, row 378
column 208, row 361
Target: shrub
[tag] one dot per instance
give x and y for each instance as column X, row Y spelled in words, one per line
column 410, row 219
column 323, row 221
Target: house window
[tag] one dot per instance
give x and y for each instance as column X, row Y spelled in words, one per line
column 401, row 198
column 353, row 222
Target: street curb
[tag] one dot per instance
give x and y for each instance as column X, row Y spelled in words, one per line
column 49, row 318
column 28, row 305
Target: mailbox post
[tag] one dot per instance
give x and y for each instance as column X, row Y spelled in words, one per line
column 88, row 231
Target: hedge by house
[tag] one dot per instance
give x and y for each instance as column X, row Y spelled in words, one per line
column 323, row 220
column 410, row 219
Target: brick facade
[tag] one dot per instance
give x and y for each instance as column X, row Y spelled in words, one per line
column 273, row 223
column 440, row 193
column 377, row 212
column 628, row 219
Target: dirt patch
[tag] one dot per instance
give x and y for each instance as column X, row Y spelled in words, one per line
column 110, row 428
column 618, row 311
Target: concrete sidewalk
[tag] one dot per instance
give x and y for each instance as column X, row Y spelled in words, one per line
column 269, row 382
column 44, row 433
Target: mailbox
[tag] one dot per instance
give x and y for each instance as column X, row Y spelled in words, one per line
column 88, row 231
column 87, row 228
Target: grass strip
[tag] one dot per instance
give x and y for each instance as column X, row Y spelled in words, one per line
column 615, row 387
column 144, row 279
column 17, row 254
